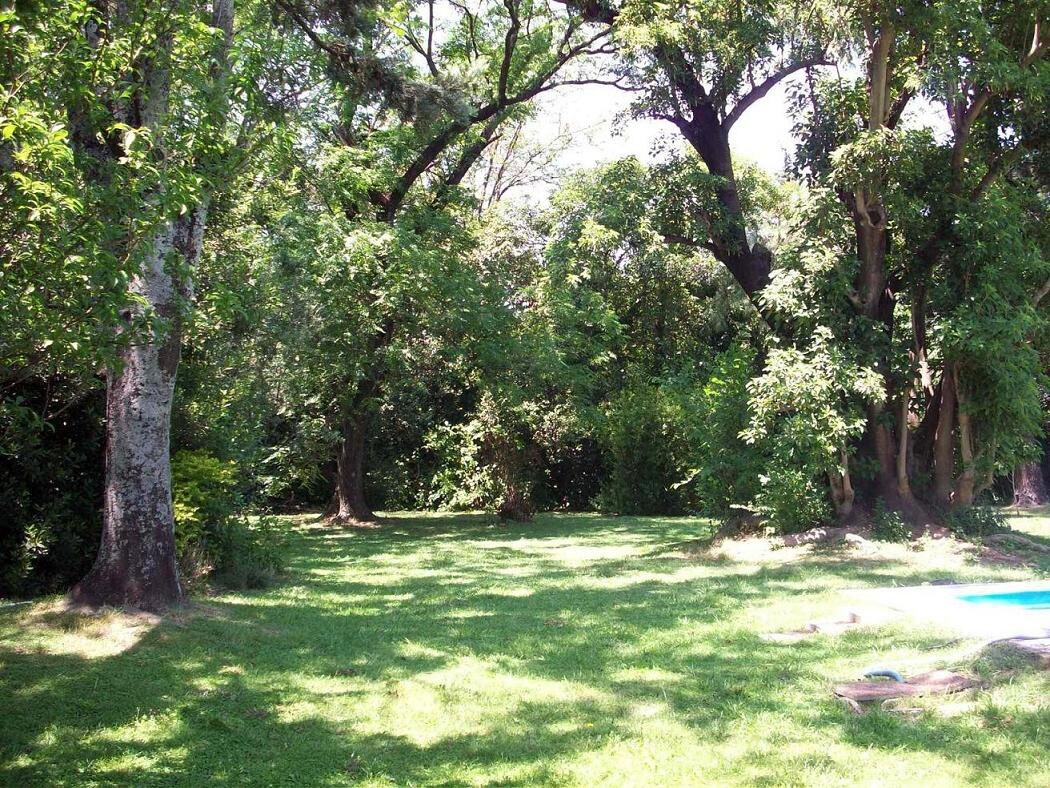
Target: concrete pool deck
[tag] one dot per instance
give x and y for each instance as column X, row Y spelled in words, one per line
column 943, row 605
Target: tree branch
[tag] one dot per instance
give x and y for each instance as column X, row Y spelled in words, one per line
column 683, row 240
column 618, row 83
column 333, row 50
column 760, row 90
column 510, row 42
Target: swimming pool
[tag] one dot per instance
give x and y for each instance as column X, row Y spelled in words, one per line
column 992, row 610
column 1029, row 600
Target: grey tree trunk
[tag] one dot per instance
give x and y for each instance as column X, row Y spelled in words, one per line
column 136, row 561
column 136, row 565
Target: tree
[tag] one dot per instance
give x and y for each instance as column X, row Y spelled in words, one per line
column 1029, row 486
column 700, row 65
column 437, row 115
column 916, row 264
column 136, row 562
column 57, row 293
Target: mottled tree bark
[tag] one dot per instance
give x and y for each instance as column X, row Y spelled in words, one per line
column 136, row 564
column 1030, row 486
column 136, row 561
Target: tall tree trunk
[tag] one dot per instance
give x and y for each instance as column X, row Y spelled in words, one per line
column 136, row 561
column 903, row 484
column 873, row 297
column 944, row 441
column 878, row 446
column 964, row 487
column 348, row 503
column 1030, row 486
column 348, row 498
column 842, row 494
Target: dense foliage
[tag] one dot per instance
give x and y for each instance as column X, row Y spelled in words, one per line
column 318, row 213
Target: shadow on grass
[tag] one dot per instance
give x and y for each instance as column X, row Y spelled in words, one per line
column 548, row 643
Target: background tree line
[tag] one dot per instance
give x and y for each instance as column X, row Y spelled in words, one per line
column 276, row 244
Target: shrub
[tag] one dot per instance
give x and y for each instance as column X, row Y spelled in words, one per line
column 463, row 480
column 976, row 521
column 642, row 437
column 204, row 494
column 51, row 482
column 249, row 552
column 726, row 470
column 791, row 498
column 212, row 538
column 492, row 461
column 806, row 408
column 889, row 525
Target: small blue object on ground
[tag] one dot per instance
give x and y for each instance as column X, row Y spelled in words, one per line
column 889, row 674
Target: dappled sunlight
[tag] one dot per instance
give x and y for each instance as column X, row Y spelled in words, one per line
column 467, row 614
column 1033, row 522
column 586, row 657
column 891, row 560
column 567, row 551
column 514, row 571
column 517, row 593
column 653, row 675
column 685, row 574
column 55, row 628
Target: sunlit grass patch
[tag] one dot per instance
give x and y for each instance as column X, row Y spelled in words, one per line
column 55, row 628
column 456, row 650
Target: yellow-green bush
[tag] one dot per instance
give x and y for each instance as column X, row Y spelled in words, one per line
column 213, row 538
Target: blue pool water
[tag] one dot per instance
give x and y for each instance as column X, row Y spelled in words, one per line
column 1028, row 600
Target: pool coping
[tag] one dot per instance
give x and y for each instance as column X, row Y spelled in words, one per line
column 940, row 604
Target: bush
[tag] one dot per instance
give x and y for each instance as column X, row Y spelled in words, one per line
column 806, row 408
column 791, row 498
column 249, row 552
column 976, row 521
column 204, row 494
column 51, row 482
column 493, row 461
column 642, row 437
column 727, row 470
column 889, row 525
column 212, row 538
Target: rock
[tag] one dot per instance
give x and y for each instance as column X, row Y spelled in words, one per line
column 852, row 705
column 1036, row 648
column 937, row 532
column 846, row 620
column 855, row 540
column 1016, row 541
column 934, row 682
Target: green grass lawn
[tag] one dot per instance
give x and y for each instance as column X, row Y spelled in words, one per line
column 445, row 650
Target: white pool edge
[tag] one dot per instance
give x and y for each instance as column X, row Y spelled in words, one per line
column 940, row 604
